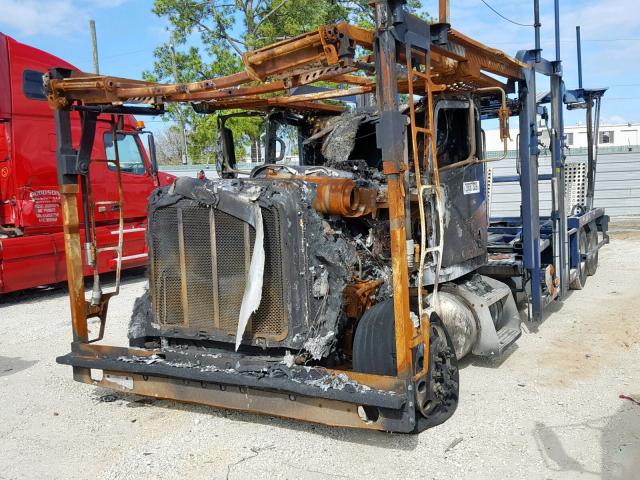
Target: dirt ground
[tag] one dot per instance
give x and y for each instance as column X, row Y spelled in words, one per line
column 548, row 409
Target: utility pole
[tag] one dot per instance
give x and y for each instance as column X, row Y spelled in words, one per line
column 94, row 43
column 183, row 127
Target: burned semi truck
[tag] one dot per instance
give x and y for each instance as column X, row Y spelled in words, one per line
column 344, row 288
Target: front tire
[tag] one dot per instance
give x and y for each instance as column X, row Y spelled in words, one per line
column 374, row 351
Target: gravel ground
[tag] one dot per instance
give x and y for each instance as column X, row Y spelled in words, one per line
column 548, row 409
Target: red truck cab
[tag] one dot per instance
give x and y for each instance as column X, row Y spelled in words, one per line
column 31, row 242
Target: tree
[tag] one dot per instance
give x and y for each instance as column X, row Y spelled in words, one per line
column 226, row 29
column 169, row 146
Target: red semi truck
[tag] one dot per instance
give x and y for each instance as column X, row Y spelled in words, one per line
column 31, row 238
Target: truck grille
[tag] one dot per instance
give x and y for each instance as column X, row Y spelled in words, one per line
column 200, row 260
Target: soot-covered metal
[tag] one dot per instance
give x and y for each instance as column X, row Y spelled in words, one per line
column 201, row 239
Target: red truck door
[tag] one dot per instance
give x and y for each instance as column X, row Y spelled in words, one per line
column 137, row 181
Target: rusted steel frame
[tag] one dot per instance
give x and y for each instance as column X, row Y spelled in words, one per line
column 222, row 87
column 403, row 86
column 73, row 257
column 263, row 63
column 93, row 350
column 305, row 99
column 328, row 95
column 227, row 93
column 89, row 88
column 351, row 80
column 195, row 87
column 284, row 47
column 392, row 146
column 490, row 59
column 443, row 11
column 362, row 37
column 377, row 382
column 479, row 81
column 263, row 104
column 309, row 409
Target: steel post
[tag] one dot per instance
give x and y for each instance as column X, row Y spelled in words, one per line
column 557, row 165
column 529, row 191
column 391, row 138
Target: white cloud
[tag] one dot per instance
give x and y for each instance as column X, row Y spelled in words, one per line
column 50, row 17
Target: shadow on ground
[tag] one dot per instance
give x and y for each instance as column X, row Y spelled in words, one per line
column 11, row 365
column 619, row 436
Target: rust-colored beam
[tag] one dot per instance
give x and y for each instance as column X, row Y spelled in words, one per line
column 444, row 12
column 487, row 58
column 391, row 137
column 73, row 257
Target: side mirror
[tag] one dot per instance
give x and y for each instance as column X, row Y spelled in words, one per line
column 228, row 159
column 152, row 155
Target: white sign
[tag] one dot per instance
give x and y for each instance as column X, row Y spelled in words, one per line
column 471, row 187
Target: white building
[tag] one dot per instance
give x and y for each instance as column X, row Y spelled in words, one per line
column 626, row 135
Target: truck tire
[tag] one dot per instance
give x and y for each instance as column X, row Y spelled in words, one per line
column 581, row 278
column 592, row 243
column 374, row 351
column 374, row 345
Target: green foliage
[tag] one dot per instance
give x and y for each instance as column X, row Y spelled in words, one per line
column 225, row 29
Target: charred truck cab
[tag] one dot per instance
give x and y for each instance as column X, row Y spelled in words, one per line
column 341, row 289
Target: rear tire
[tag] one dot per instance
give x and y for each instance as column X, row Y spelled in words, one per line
column 592, row 243
column 581, row 277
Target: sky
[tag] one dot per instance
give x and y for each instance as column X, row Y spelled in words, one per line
column 128, row 32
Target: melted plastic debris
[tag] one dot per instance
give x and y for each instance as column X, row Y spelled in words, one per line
column 414, row 319
column 337, row 382
column 321, row 284
column 253, row 289
column 289, row 359
column 323, row 381
column 141, row 359
column 319, row 346
column 340, row 135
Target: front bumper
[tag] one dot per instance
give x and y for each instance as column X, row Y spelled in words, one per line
column 248, row 383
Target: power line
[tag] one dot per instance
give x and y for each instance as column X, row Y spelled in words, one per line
column 503, row 17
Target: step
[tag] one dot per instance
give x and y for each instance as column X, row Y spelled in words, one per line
column 507, row 336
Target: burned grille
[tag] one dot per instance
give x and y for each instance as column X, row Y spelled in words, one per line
column 200, row 260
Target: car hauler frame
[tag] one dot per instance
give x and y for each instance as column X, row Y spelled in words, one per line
column 419, row 388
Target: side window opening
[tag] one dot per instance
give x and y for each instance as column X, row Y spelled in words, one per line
column 131, row 160
column 452, row 136
column 32, row 85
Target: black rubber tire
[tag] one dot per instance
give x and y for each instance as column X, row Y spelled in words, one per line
column 581, row 277
column 592, row 243
column 374, row 351
column 374, row 344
